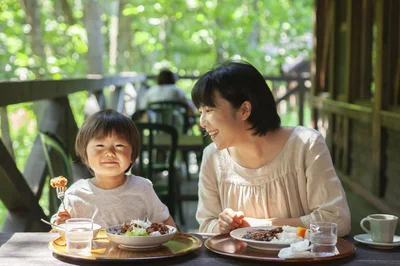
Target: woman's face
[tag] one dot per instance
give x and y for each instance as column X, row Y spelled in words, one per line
column 223, row 123
column 109, row 156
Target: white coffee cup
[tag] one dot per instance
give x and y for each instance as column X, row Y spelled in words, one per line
column 382, row 227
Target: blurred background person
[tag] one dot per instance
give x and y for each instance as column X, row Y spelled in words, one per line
column 166, row 90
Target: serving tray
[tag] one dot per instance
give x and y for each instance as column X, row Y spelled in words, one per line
column 228, row 246
column 105, row 250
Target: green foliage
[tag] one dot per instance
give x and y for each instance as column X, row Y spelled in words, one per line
column 77, row 102
column 3, row 212
column 189, row 36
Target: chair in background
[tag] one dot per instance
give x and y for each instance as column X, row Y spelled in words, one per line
column 151, row 165
column 172, row 113
column 57, row 159
column 139, row 115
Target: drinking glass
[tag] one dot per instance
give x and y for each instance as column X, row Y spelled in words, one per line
column 323, row 237
column 79, row 236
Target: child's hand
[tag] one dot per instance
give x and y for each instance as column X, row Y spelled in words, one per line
column 62, row 216
column 229, row 220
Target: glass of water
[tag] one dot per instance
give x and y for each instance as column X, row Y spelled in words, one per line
column 323, row 237
column 79, row 236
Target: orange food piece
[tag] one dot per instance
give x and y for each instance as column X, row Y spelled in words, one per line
column 301, row 231
column 58, row 181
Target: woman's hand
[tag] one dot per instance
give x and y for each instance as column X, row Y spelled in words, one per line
column 229, row 220
column 62, row 216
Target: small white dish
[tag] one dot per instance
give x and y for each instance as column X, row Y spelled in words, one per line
column 366, row 239
column 264, row 245
column 138, row 242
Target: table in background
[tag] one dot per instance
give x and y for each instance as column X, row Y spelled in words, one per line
column 185, row 142
column 17, row 249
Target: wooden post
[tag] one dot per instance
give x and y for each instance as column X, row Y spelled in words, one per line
column 332, row 82
column 376, row 118
column 315, row 65
column 366, row 50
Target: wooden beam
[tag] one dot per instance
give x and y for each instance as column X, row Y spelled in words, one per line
column 390, row 120
column 17, row 196
column 33, row 90
column 349, row 110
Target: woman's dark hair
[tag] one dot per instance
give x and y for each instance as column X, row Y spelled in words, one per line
column 103, row 124
column 237, row 82
column 165, row 77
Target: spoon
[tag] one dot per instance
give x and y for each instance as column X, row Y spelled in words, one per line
column 46, row 222
column 95, row 212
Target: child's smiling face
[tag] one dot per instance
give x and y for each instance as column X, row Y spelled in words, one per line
column 109, row 156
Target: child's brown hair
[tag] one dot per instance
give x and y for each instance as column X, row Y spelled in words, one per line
column 103, row 124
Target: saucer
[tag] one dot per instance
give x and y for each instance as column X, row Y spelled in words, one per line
column 366, row 239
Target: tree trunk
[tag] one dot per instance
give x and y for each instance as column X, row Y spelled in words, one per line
column 254, row 37
column 93, row 25
column 125, row 37
column 218, row 42
column 114, row 24
column 67, row 12
column 32, row 12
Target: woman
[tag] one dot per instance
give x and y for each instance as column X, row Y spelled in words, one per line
column 257, row 172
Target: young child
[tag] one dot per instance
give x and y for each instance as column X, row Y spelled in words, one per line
column 109, row 143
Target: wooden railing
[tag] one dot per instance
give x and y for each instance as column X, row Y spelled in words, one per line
column 20, row 192
column 379, row 190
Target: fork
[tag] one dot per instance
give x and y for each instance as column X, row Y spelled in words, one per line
column 60, row 194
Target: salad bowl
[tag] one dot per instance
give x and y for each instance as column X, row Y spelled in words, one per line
column 138, row 242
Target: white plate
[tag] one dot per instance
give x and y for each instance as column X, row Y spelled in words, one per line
column 366, row 239
column 264, row 245
column 139, row 242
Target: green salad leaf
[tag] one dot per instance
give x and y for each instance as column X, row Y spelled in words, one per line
column 137, row 232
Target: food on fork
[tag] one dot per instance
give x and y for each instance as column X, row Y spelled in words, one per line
column 59, row 181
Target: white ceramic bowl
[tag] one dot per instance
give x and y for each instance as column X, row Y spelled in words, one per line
column 61, row 230
column 138, row 242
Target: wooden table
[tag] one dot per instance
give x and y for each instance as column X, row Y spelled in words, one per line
column 31, row 249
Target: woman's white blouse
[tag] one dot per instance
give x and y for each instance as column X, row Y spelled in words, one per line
column 299, row 182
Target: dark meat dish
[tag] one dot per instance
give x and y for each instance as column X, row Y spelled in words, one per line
column 263, row 235
column 160, row 227
column 154, row 227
